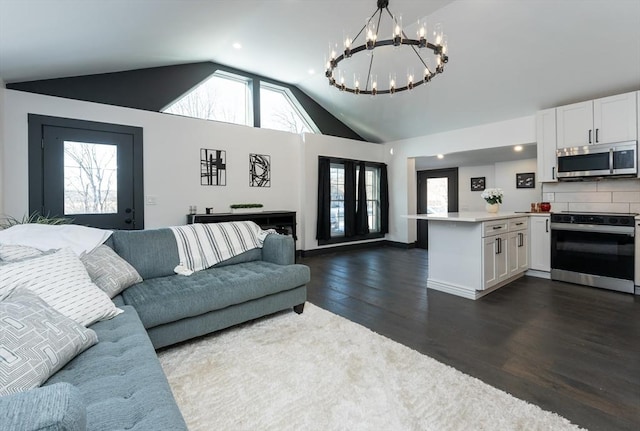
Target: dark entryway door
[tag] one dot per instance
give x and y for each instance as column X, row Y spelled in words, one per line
column 437, row 192
column 89, row 175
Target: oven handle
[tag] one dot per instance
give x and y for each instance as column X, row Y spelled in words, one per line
column 623, row 230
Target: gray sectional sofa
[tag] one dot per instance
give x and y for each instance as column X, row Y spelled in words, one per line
column 118, row 384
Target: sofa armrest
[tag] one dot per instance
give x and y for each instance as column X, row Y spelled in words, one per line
column 56, row 407
column 279, row 249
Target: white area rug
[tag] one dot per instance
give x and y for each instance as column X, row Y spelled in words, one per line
column 319, row 371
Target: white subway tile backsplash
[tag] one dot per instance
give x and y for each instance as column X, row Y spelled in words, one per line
column 619, row 185
column 573, row 186
column 608, row 195
column 631, row 197
column 599, row 207
column 583, row 197
column 557, row 207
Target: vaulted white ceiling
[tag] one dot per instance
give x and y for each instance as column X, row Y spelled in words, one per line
column 508, row 58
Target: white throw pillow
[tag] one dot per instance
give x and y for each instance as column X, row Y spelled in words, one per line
column 109, row 271
column 81, row 239
column 62, row 281
column 11, row 252
column 35, row 341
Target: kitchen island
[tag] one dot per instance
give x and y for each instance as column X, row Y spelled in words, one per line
column 474, row 253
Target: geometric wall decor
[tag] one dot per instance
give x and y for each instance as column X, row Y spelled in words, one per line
column 259, row 170
column 213, row 167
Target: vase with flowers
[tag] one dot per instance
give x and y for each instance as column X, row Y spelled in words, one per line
column 493, row 197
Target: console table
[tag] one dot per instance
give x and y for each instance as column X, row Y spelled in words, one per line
column 283, row 222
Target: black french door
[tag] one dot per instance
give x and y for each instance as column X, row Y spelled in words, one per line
column 89, row 173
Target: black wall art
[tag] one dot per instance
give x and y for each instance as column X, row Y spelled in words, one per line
column 526, row 180
column 213, row 167
column 259, row 170
column 478, row 184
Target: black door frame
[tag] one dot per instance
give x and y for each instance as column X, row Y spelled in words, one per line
column 422, row 225
column 36, row 124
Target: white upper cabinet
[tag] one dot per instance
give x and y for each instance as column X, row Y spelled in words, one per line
column 546, row 141
column 601, row 121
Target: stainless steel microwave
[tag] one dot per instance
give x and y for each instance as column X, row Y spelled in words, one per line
column 598, row 160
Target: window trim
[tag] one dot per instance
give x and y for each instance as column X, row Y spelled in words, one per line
column 293, row 101
column 222, row 74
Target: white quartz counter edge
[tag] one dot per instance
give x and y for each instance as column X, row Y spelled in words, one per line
column 470, row 216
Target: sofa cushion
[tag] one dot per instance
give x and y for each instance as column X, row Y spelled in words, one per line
column 153, row 252
column 57, row 407
column 35, row 341
column 62, row 281
column 111, row 273
column 167, row 299
column 121, row 380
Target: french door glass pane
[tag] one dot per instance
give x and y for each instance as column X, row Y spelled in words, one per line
column 437, row 195
column 90, row 178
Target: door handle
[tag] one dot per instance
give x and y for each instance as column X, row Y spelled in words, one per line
column 128, row 210
column 520, row 239
column 597, row 130
column 553, row 173
column 546, row 228
column 589, row 135
column 497, row 240
column 128, row 220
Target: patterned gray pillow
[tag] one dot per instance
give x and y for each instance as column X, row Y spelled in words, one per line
column 35, row 341
column 108, row 271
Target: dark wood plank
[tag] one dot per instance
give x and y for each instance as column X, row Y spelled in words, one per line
column 570, row 349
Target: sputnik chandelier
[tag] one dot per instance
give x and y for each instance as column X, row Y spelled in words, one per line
column 437, row 45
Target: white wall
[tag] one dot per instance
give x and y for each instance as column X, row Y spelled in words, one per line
column 171, row 157
column 171, row 160
column 402, row 179
column 319, row 145
column 2, row 128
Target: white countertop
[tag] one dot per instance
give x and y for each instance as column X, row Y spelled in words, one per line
column 468, row 216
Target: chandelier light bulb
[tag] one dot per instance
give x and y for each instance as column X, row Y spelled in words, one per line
column 438, row 34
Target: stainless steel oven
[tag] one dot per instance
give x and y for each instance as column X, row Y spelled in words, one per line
column 594, row 249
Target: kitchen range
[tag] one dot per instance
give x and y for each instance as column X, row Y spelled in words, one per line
column 594, row 249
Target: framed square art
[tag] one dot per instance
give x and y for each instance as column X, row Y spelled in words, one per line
column 478, row 184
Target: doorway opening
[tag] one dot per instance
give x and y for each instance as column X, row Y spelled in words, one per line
column 437, row 193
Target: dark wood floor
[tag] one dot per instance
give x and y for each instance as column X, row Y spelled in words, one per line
column 569, row 349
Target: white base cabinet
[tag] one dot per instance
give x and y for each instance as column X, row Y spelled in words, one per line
column 540, row 242
column 472, row 259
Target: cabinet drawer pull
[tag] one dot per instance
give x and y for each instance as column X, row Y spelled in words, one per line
column 497, row 227
column 519, row 224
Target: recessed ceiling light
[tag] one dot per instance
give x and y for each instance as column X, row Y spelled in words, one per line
column 237, row 45
column 440, row 156
column 517, row 148
column 311, row 72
